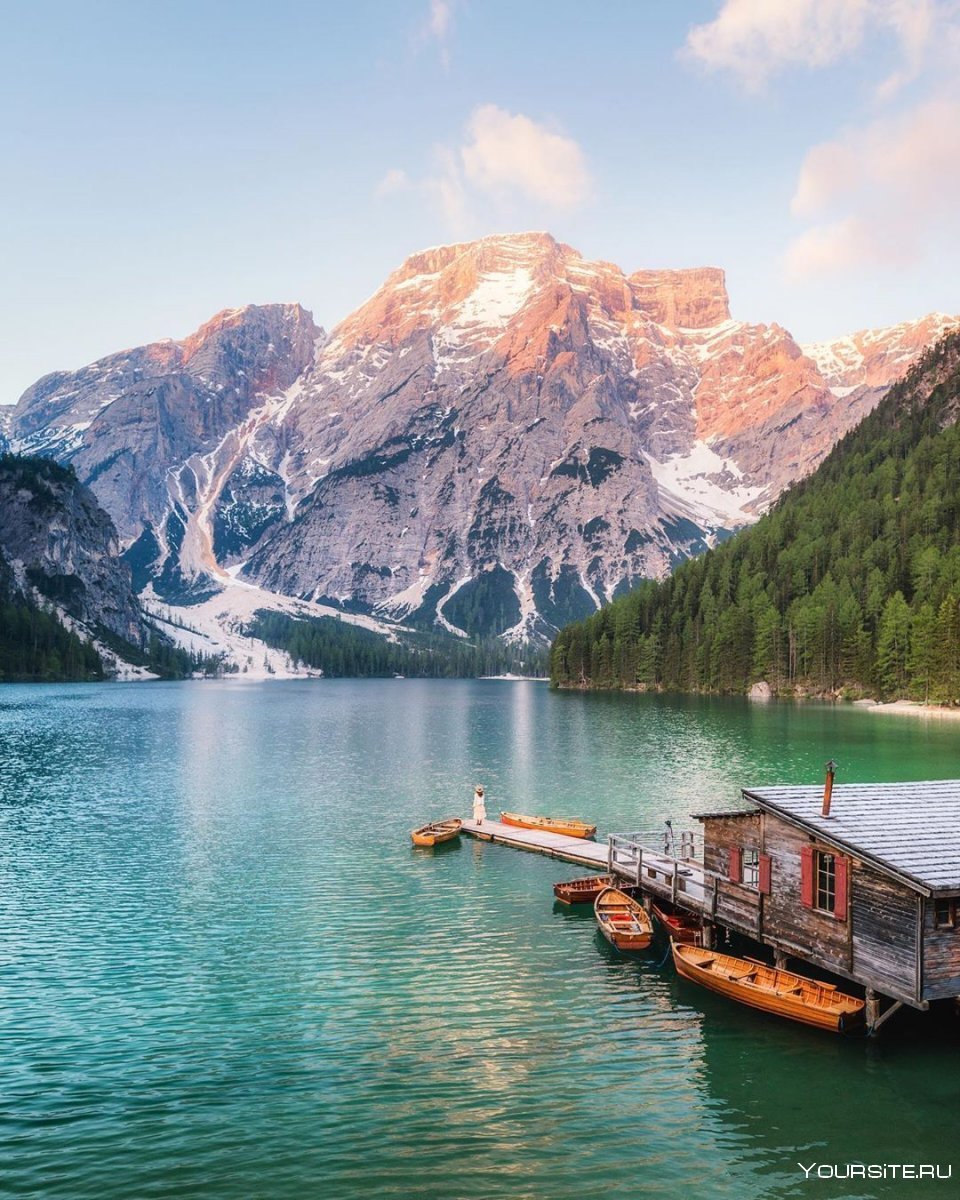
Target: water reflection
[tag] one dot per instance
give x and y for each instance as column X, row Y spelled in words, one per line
column 226, row 971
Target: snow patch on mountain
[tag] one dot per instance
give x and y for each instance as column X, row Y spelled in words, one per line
column 216, row 627
column 705, row 487
column 835, row 360
column 497, row 298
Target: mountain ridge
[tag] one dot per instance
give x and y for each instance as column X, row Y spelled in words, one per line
column 504, row 428
column 850, row 585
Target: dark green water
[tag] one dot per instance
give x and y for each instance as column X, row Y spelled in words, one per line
column 224, row 971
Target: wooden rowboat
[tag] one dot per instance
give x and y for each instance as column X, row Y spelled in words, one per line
column 578, row 829
column 437, row 832
column 582, row 891
column 680, row 928
column 622, row 920
column 779, row 992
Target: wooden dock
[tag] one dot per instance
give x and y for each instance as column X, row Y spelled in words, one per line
column 555, row 845
column 661, row 874
column 860, row 881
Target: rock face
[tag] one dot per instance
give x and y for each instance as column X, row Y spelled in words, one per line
column 152, row 430
column 58, row 546
column 501, row 438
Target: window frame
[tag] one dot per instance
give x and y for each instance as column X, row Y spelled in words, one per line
column 750, row 866
column 825, row 894
column 951, row 912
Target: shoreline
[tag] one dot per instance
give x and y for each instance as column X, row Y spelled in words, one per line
column 914, row 708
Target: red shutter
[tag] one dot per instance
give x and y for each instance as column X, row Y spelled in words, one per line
column 806, row 875
column 763, row 882
column 735, row 866
column 840, row 893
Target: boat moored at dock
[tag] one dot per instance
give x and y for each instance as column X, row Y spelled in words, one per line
column 564, row 825
column 623, row 921
column 781, row 993
column 582, row 891
column 679, row 927
column 437, row 832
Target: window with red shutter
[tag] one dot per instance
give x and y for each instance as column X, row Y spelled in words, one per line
column 806, row 876
column 735, row 866
column 763, row 874
column 841, row 866
column 825, row 881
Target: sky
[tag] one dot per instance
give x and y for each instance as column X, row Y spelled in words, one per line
column 163, row 162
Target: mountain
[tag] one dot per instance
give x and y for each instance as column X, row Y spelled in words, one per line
column 850, row 585
column 61, row 580
column 502, row 438
column 154, row 430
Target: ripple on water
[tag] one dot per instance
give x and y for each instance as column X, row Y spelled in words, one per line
column 226, row 972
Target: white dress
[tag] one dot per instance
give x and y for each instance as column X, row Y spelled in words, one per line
column 479, row 809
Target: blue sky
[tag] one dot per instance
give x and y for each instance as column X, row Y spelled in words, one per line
column 163, row 162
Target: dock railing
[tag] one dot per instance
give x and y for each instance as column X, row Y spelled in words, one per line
column 669, row 865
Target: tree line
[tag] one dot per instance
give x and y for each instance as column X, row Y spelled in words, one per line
column 849, row 585
column 341, row 649
column 35, row 647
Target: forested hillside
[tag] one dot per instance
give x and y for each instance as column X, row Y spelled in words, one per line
column 851, row 584
column 65, row 598
column 340, row 649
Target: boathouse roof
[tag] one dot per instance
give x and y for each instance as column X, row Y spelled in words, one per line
column 911, row 829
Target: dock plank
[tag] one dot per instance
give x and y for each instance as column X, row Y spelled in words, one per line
column 555, row 845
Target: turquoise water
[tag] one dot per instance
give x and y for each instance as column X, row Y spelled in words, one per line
column 225, row 972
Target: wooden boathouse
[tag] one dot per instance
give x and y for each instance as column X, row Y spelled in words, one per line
column 861, row 880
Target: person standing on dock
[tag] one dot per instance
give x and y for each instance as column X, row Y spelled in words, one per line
column 479, row 808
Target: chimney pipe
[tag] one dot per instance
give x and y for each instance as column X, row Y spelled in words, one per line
column 828, row 787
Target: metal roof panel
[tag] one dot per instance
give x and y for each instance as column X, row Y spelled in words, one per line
column 912, row 828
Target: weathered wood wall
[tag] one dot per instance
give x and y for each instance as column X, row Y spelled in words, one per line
column 874, row 943
column 721, row 833
column 883, row 916
column 737, row 905
column 814, row 935
column 941, row 957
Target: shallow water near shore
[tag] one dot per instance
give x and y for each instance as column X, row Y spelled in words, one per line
column 226, row 973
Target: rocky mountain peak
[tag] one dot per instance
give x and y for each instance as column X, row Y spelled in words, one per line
column 59, row 548
column 500, row 438
column 872, row 357
column 695, row 298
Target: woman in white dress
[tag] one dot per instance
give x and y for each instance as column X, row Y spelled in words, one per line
column 479, row 809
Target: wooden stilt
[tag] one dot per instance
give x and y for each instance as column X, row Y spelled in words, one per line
column 872, row 1011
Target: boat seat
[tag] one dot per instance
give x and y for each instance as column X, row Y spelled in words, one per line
column 742, row 977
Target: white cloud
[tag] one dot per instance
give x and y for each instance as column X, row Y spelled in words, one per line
column 437, row 27
column 441, row 17
column 842, row 246
column 881, row 191
column 508, row 154
column 504, row 160
column 913, row 22
column 446, row 189
column 754, row 39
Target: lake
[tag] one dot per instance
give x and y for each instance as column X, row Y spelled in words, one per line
column 226, row 973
